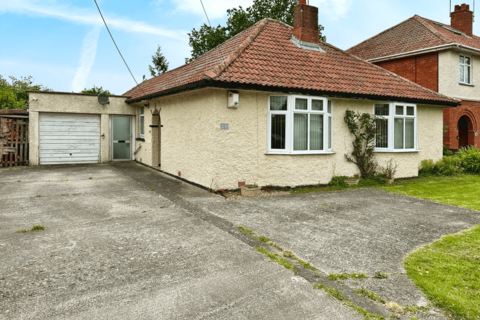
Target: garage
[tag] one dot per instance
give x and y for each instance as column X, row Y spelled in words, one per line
column 69, row 138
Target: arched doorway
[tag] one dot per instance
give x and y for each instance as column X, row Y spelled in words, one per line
column 465, row 126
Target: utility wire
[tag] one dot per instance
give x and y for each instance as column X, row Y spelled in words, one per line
column 118, row 48
column 206, row 13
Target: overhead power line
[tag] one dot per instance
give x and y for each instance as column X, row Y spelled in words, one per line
column 206, row 14
column 118, row 48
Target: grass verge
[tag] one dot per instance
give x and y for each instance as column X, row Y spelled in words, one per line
column 461, row 191
column 448, row 272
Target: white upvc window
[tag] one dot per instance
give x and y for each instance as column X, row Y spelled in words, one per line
column 465, row 70
column 396, row 127
column 299, row 125
column 141, row 122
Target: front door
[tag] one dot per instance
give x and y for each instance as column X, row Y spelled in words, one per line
column 121, row 138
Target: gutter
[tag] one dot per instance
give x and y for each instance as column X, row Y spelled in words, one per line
column 255, row 87
column 442, row 47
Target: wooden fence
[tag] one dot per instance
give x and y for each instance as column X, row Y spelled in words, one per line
column 13, row 141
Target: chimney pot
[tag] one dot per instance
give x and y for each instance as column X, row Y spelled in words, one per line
column 305, row 22
column 462, row 19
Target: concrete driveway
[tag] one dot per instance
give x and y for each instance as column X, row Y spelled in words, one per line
column 132, row 243
column 116, row 247
column 354, row 231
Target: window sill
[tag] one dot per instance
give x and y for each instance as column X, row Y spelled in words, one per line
column 140, row 139
column 299, row 154
column 396, row 151
column 466, row 84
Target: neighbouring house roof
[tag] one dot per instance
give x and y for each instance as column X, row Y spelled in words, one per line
column 263, row 57
column 411, row 35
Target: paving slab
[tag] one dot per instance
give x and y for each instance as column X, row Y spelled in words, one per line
column 116, row 249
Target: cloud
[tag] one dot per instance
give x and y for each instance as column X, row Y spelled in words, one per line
column 333, row 8
column 89, row 52
column 216, row 9
column 53, row 9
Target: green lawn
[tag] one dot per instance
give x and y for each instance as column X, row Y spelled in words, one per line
column 462, row 191
column 448, row 271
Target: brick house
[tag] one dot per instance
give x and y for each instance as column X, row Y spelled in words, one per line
column 443, row 58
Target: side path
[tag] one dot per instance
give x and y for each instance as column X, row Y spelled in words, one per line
column 177, row 192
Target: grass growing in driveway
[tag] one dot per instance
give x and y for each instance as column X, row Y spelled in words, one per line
column 35, row 228
column 448, row 271
column 461, row 191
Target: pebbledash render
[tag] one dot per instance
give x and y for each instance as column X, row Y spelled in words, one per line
column 267, row 107
column 443, row 58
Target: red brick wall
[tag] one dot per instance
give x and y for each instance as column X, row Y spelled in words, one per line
column 451, row 116
column 422, row 69
column 305, row 23
column 462, row 19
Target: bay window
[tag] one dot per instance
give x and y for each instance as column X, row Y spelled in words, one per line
column 396, row 127
column 299, row 125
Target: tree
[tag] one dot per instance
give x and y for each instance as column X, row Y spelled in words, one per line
column 239, row 19
column 97, row 90
column 363, row 126
column 14, row 95
column 160, row 64
column 206, row 39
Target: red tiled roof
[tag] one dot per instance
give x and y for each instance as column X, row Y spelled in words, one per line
column 413, row 34
column 263, row 55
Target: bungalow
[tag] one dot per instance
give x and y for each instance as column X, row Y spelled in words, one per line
column 266, row 107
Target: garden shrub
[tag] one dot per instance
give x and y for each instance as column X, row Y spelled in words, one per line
column 449, row 166
column 372, row 181
column 338, row 182
column 447, row 152
column 470, row 159
column 428, row 168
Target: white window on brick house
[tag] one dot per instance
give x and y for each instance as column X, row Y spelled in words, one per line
column 299, row 125
column 141, row 122
column 465, row 70
column 396, row 127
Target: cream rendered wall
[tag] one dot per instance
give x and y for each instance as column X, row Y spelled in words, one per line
column 74, row 103
column 188, row 137
column 147, row 151
column 449, row 76
column 193, row 143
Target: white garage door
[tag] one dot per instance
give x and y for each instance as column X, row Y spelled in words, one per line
column 69, row 138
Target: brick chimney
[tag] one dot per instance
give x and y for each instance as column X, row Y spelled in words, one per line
column 305, row 22
column 462, row 19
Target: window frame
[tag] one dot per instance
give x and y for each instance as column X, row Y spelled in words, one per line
column 464, row 66
column 289, row 124
column 141, row 118
column 391, row 126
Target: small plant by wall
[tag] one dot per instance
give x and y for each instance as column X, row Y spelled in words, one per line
column 363, row 127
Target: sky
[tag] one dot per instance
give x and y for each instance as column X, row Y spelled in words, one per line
column 64, row 45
